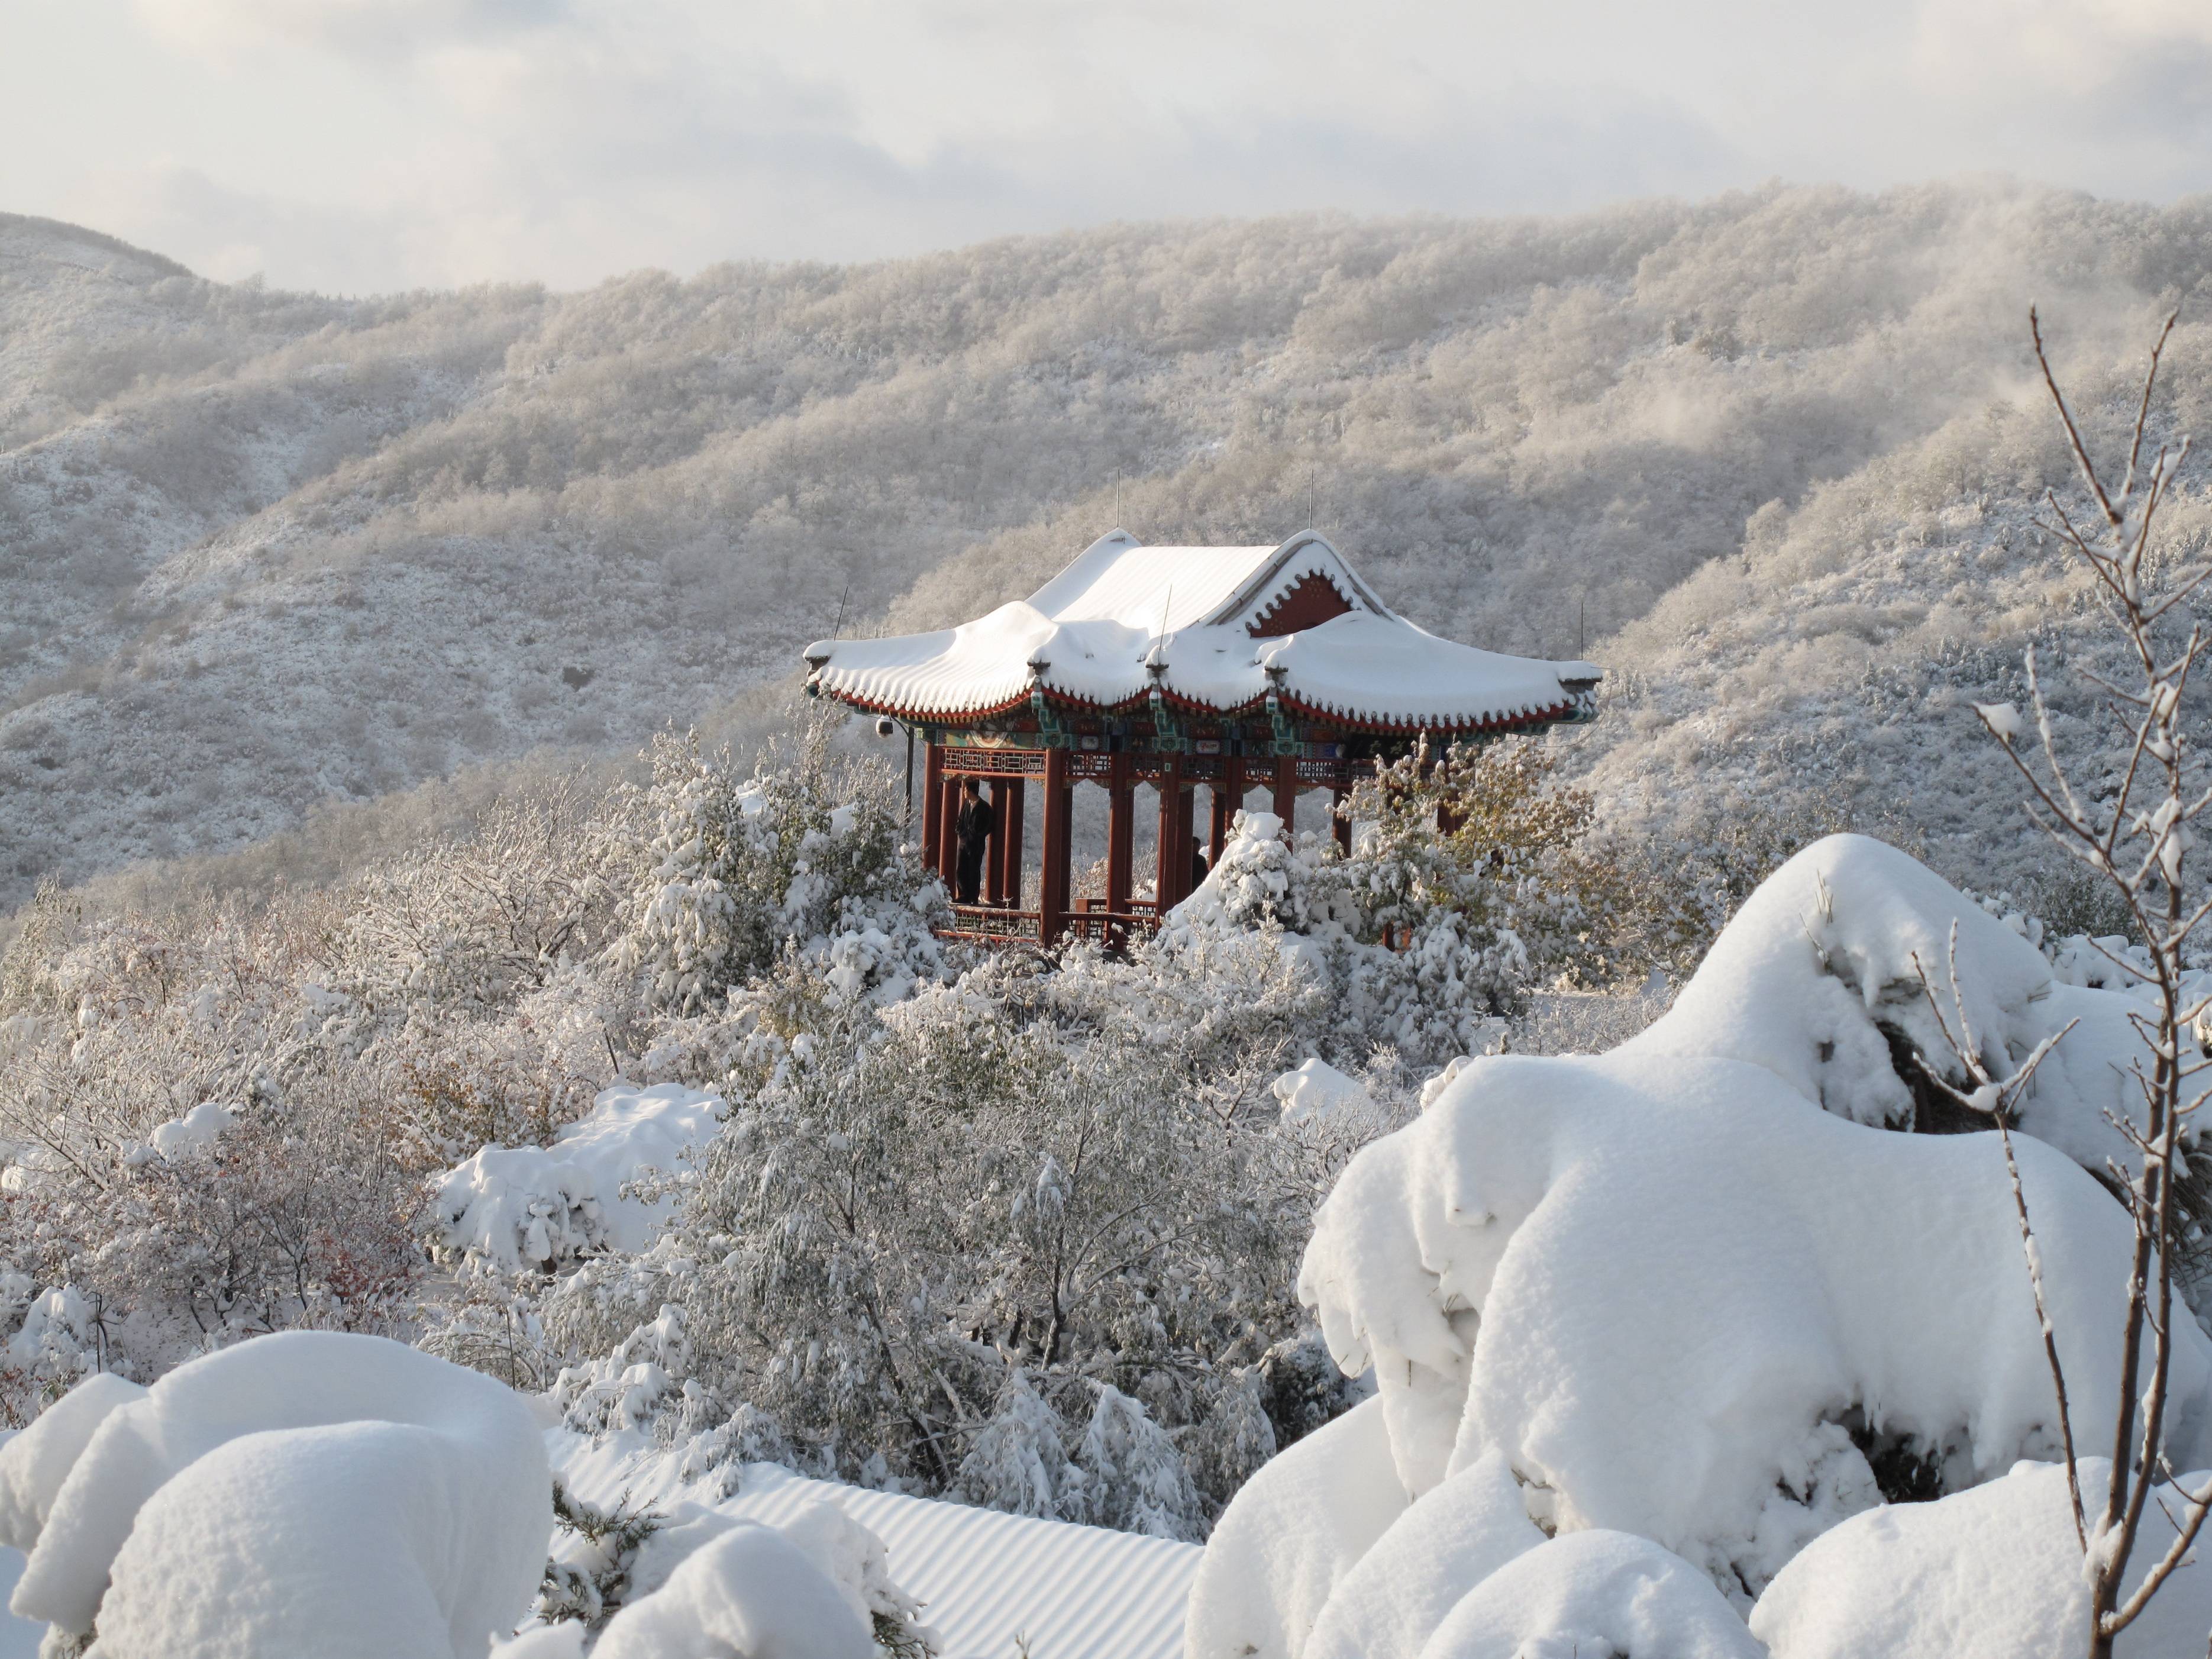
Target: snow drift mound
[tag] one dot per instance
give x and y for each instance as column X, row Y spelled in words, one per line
column 305, row 1492
column 753, row 1591
column 1587, row 1594
column 538, row 1205
column 1689, row 1292
column 1993, row 1573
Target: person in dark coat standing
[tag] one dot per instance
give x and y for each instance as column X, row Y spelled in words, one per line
column 973, row 830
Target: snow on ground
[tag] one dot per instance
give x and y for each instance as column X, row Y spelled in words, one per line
column 544, row 1205
column 1687, row 1296
column 983, row 1577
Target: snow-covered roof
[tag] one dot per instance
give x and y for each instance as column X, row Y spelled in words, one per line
column 1208, row 626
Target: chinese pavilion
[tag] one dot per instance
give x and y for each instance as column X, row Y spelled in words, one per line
column 1221, row 668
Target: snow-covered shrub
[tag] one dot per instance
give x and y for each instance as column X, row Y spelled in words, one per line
column 186, row 1162
column 473, row 921
column 1299, row 1527
column 306, row 1493
column 1823, row 978
column 285, row 1218
column 590, row 1573
column 803, row 852
column 1708, row 1196
column 1468, row 880
column 972, row 1221
column 542, row 1206
column 1594, row 1592
column 751, row 1590
column 1388, row 1602
column 1698, row 1290
column 455, row 1085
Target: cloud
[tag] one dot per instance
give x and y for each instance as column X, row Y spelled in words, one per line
column 381, row 29
column 230, row 234
column 2122, row 86
column 571, row 139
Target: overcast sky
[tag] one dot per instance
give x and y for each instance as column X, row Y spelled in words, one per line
column 354, row 145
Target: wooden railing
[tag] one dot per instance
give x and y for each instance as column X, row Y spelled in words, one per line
column 999, row 924
column 1092, row 919
column 1002, row 924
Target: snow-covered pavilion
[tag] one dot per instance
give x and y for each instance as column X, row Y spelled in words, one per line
column 1225, row 668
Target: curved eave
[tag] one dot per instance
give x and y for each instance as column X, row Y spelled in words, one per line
column 1411, row 726
column 916, row 715
column 1320, row 714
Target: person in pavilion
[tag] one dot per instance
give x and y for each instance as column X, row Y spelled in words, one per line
column 973, row 829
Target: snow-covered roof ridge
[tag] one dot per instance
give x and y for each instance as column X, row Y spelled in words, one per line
column 1219, row 629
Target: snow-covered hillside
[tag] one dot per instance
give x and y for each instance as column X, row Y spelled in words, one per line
column 264, row 551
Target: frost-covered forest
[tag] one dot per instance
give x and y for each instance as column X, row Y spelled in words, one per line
column 267, row 555
column 473, row 1042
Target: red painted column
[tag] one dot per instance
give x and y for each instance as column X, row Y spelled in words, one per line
column 993, row 856
column 948, row 836
column 1287, row 792
column 1007, row 799
column 1052, row 894
column 1120, row 846
column 1228, row 797
column 1186, row 841
column 1337, row 797
column 932, row 805
column 1166, row 890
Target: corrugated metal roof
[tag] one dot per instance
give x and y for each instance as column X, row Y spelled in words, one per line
column 1070, row 1592
column 1073, row 1592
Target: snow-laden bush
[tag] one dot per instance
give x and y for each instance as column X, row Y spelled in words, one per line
column 1594, row 1592
column 1707, row 1197
column 304, row 1493
column 226, row 1222
column 1698, row 1291
column 751, row 1591
column 1003, row 1239
column 803, row 853
column 1823, row 978
column 543, row 1205
column 1470, row 878
column 815, row 1585
column 473, row 921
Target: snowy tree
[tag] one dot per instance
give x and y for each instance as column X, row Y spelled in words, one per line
column 2135, row 834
